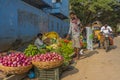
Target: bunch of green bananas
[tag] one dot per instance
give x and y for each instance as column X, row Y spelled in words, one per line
column 31, row 50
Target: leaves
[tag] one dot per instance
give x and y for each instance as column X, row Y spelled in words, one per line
column 89, row 10
column 66, row 50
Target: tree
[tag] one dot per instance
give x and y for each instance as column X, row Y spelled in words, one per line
column 91, row 10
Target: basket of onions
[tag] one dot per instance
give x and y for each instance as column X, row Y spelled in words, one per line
column 15, row 63
column 47, row 61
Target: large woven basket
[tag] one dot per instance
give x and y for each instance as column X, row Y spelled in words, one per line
column 47, row 65
column 15, row 70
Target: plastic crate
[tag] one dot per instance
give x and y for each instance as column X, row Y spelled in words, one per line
column 50, row 74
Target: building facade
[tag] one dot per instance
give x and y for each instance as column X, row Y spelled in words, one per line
column 21, row 20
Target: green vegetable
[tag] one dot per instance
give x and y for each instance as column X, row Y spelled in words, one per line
column 65, row 50
column 32, row 50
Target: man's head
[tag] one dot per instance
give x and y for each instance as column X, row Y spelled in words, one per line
column 39, row 35
column 72, row 15
column 105, row 25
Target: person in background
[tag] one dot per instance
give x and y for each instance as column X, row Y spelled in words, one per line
column 106, row 29
column 89, row 33
column 74, row 31
column 96, row 34
column 38, row 42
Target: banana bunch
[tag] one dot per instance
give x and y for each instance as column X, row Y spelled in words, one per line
column 54, row 46
column 49, row 48
column 31, row 50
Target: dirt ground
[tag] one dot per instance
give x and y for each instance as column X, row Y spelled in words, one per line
column 97, row 65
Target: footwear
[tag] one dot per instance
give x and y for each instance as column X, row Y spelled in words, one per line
column 73, row 56
column 81, row 52
column 71, row 62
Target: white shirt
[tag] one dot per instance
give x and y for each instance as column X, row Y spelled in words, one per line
column 106, row 30
column 38, row 42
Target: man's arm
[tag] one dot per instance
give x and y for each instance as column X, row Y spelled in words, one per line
column 69, row 32
column 110, row 29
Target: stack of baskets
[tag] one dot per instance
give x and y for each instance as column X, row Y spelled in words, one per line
column 15, row 70
column 47, row 65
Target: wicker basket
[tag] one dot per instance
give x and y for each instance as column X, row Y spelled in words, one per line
column 15, row 70
column 47, row 65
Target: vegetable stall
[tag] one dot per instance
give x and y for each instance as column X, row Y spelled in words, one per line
column 57, row 53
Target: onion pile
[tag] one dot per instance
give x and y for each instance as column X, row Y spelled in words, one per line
column 49, row 56
column 15, row 59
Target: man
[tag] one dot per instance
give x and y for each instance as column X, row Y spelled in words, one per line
column 38, row 42
column 107, row 30
column 74, row 30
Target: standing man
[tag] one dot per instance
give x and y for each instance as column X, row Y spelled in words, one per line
column 74, row 30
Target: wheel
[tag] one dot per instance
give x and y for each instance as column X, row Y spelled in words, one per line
column 106, row 44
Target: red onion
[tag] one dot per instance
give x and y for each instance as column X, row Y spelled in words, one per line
column 51, row 56
column 15, row 60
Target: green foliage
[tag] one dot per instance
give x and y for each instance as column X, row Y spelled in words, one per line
column 118, row 30
column 66, row 50
column 90, row 10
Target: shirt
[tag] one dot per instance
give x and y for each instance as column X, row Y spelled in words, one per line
column 106, row 30
column 74, row 28
column 38, row 42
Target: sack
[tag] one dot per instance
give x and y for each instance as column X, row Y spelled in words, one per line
column 111, row 41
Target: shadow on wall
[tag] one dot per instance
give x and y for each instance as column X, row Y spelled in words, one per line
column 20, row 45
column 16, row 43
column 11, row 45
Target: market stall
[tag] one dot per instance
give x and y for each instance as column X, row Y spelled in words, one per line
column 55, row 56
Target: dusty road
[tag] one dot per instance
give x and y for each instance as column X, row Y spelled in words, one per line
column 97, row 65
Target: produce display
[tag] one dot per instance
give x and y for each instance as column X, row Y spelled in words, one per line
column 52, row 35
column 15, row 63
column 49, row 56
column 54, row 54
column 32, row 50
column 66, row 50
column 15, row 60
column 48, row 60
column 52, row 47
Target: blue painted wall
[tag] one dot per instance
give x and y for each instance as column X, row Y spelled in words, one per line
column 65, row 7
column 21, row 21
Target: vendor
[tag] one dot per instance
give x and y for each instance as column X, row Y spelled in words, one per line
column 38, row 42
